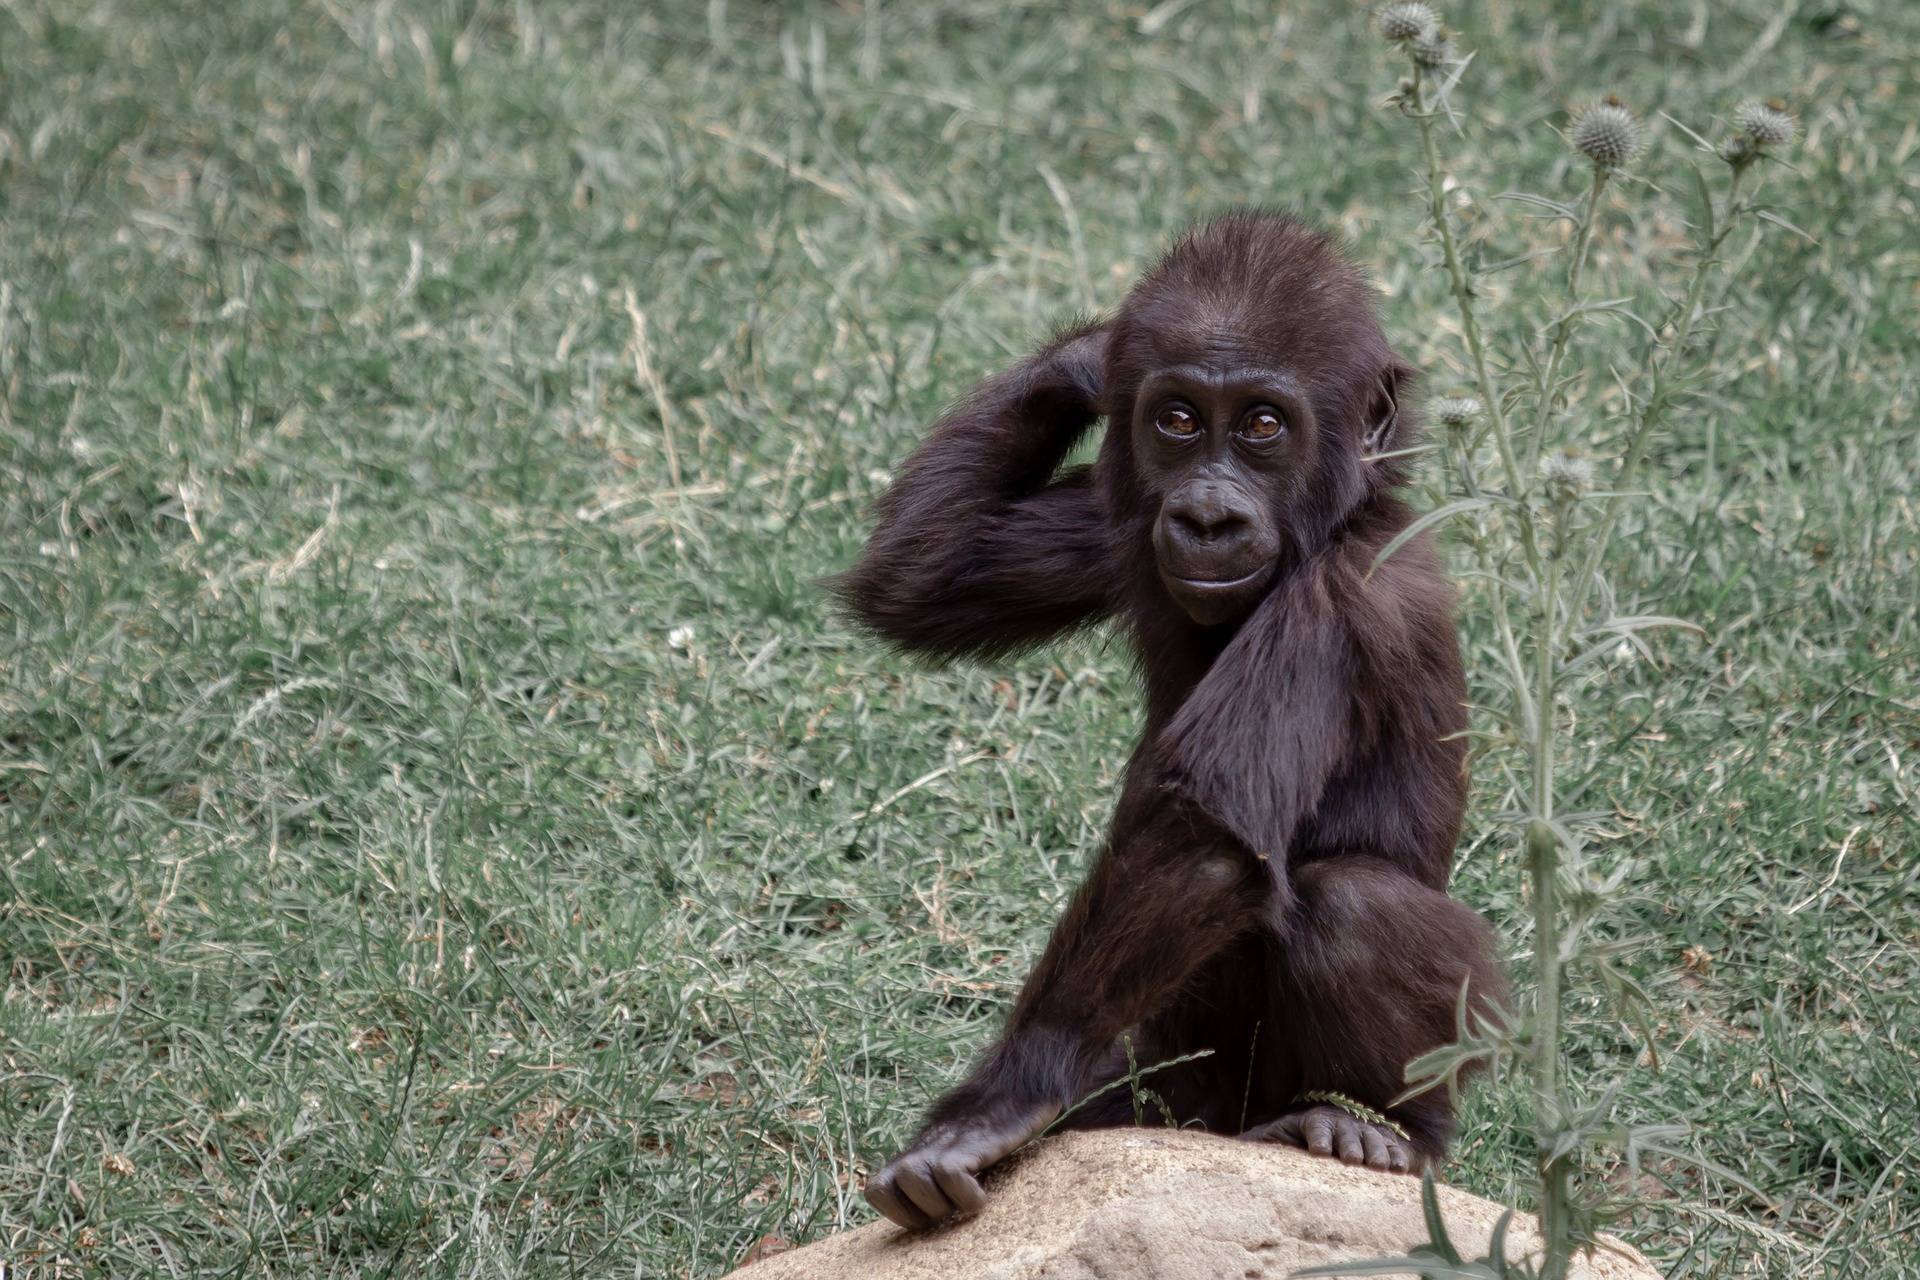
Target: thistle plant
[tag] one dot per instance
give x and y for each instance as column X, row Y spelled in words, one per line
column 1537, row 516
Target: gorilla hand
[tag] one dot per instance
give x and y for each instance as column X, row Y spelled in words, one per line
column 937, row 1176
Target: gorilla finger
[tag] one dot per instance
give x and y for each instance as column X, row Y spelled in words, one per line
column 884, row 1196
column 960, row 1187
column 916, row 1183
column 1401, row 1157
column 1379, row 1150
column 1317, row 1128
column 1348, row 1137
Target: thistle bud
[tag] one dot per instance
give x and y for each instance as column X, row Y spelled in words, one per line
column 1401, row 23
column 1768, row 123
column 1457, row 413
column 1432, row 50
column 1567, row 476
column 1607, row 134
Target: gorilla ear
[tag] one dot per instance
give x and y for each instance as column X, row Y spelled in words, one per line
column 1379, row 426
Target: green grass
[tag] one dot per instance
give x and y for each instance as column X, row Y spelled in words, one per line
column 389, row 887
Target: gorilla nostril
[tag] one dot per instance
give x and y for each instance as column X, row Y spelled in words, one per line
column 1208, row 526
column 1230, row 525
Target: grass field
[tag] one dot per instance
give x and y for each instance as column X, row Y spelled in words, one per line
column 443, row 830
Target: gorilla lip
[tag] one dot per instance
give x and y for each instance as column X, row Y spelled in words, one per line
column 1224, row 584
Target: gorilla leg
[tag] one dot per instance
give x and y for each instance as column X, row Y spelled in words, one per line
column 1213, row 1022
column 1369, row 966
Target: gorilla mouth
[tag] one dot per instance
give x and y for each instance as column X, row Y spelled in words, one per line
column 1225, row 584
column 1212, row 601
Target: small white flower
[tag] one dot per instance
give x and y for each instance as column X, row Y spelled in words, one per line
column 680, row 638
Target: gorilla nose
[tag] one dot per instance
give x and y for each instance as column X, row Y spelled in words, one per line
column 1209, row 517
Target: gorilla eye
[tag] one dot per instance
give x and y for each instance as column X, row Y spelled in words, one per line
column 1263, row 424
column 1177, row 420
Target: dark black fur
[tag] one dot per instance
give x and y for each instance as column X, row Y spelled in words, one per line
column 1280, row 853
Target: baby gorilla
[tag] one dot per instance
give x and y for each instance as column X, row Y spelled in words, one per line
column 1274, row 886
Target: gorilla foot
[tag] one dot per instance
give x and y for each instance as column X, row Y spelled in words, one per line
column 1332, row 1131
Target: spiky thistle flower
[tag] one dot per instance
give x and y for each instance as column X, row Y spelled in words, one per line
column 1432, row 50
column 1401, row 23
column 1567, row 475
column 1607, row 134
column 1457, row 411
column 1768, row 123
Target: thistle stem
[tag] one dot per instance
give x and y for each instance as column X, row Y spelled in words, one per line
column 1653, row 409
column 1536, row 705
column 1469, row 321
column 1543, row 859
column 1547, row 391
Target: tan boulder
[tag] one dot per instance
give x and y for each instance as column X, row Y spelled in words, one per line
column 1157, row 1204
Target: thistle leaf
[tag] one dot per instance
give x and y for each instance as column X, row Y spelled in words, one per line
column 1427, row 521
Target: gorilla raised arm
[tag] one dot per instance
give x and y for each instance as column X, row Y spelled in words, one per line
column 980, row 550
column 1274, row 885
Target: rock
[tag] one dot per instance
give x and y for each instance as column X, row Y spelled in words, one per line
column 1161, row 1204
